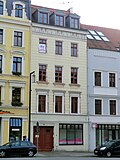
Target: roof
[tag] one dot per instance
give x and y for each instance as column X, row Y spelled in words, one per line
column 34, row 7
column 113, row 35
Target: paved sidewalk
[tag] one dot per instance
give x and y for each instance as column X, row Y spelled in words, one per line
column 65, row 154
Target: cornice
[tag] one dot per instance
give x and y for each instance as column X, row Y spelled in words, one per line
column 15, row 21
column 63, row 32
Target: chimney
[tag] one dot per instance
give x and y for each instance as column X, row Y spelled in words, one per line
column 70, row 10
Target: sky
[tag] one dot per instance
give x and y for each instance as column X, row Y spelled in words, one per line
column 103, row 13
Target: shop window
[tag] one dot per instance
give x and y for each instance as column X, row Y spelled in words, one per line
column 71, row 134
column 15, row 129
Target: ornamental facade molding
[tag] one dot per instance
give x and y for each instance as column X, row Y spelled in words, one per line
column 54, row 32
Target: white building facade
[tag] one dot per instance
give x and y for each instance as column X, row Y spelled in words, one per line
column 59, row 94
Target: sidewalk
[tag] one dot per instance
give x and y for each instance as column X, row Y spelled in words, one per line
column 65, row 154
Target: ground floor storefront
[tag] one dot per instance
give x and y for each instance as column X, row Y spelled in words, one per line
column 60, row 133
column 12, row 128
column 102, row 131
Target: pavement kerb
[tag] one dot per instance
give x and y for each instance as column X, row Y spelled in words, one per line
column 64, row 154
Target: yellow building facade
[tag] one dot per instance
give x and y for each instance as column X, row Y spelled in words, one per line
column 14, row 69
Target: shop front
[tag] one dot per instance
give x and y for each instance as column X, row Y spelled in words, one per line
column 106, row 132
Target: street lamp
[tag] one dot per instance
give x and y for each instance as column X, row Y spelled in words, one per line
column 29, row 122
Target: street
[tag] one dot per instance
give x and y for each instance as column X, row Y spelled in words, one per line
column 60, row 158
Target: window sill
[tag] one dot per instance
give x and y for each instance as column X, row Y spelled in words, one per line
column 42, row 82
column 57, row 83
column 76, row 85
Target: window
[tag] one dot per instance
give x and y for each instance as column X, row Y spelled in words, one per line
column 73, row 49
column 58, row 104
column 1, row 36
column 0, row 63
column 112, row 107
column 98, row 106
column 18, row 10
column 42, row 45
column 42, row 72
column 1, row 8
column 58, row 74
column 43, row 17
column 97, row 35
column 15, row 129
column 58, row 47
column 74, row 104
column 0, row 95
column 74, row 23
column 70, row 134
column 59, row 20
column 111, row 79
column 17, row 65
column 16, row 96
column 97, row 76
column 18, row 38
column 42, row 103
column 74, row 72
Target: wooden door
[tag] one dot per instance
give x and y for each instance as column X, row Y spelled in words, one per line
column 45, row 139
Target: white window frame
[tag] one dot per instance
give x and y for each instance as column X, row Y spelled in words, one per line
column 22, row 38
column 109, row 106
column 42, row 93
column 13, row 11
column 3, row 36
column 115, row 79
column 79, row 100
column 4, row 9
column 2, row 85
column 101, row 106
column 62, row 72
column 22, row 64
column 59, row 94
column 17, row 84
column 94, row 78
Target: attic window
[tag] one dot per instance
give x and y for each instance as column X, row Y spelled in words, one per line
column 97, row 35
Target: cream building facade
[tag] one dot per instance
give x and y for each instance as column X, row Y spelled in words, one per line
column 14, row 69
column 59, row 94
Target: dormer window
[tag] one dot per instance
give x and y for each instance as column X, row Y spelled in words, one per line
column 1, row 8
column 59, row 20
column 18, row 10
column 43, row 17
column 74, row 23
